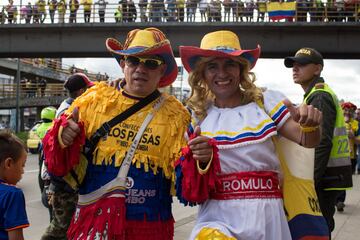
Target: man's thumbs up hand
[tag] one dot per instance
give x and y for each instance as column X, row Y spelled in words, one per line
column 70, row 132
column 305, row 115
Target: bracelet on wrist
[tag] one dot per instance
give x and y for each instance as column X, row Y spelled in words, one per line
column 305, row 129
column 61, row 143
column 204, row 171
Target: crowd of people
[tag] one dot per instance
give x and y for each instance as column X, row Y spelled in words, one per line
column 172, row 10
column 34, row 87
column 117, row 153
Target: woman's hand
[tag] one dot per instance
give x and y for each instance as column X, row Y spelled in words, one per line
column 200, row 147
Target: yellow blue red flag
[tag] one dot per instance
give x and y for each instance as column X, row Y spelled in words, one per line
column 284, row 10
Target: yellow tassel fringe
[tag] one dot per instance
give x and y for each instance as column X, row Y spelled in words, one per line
column 101, row 103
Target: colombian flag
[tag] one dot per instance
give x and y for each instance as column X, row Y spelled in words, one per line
column 284, row 10
column 302, row 208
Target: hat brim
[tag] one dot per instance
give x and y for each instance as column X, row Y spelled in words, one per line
column 289, row 61
column 190, row 55
column 162, row 49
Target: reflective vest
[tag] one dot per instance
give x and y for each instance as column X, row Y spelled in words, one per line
column 42, row 129
column 338, row 174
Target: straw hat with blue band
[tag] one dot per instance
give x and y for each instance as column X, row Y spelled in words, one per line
column 146, row 42
column 217, row 44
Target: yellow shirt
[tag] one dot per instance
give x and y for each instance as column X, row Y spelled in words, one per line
column 41, row 6
column 353, row 126
column 87, row 4
column 180, row 3
column 61, row 7
column 51, row 4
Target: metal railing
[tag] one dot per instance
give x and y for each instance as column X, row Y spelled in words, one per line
column 57, row 66
column 172, row 12
column 32, row 90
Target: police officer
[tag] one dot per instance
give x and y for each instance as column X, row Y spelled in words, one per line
column 332, row 171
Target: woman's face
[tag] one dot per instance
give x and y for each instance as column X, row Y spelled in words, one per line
column 222, row 75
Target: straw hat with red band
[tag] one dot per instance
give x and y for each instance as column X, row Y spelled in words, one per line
column 146, row 42
column 217, row 44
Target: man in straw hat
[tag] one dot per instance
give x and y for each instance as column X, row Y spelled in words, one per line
column 129, row 139
column 241, row 119
column 332, row 170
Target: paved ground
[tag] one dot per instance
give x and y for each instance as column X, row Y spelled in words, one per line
column 347, row 223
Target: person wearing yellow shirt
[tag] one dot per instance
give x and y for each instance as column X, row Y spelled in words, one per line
column 261, row 5
column 41, row 4
column 74, row 6
column 352, row 127
column 118, row 14
column 52, row 8
column 181, row 9
column 357, row 118
column 87, row 9
column 61, row 11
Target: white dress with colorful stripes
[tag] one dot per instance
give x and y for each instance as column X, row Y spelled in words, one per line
column 243, row 136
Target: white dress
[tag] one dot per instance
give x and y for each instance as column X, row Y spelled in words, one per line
column 243, row 136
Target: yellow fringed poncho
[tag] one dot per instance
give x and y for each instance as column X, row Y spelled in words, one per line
column 161, row 142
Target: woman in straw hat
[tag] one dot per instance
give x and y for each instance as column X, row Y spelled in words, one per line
column 240, row 118
column 148, row 63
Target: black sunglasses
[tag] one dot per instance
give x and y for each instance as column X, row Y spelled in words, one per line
column 150, row 63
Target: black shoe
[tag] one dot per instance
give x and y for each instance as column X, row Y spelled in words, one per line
column 340, row 206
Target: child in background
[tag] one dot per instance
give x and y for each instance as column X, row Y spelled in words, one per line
column 13, row 216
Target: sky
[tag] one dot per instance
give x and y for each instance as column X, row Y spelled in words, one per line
column 343, row 76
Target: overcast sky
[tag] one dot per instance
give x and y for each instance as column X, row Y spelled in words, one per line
column 342, row 75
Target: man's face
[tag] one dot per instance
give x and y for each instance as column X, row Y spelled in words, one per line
column 142, row 78
column 304, row 74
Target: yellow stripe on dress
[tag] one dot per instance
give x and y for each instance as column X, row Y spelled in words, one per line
column 247, row 128
column 276, row 108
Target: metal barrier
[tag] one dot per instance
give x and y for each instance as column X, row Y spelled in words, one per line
column 179, row 12
column 58, row 67
column 32, row 90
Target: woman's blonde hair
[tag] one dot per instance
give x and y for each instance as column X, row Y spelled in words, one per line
column 201, row 95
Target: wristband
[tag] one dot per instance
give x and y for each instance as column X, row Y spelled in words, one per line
column 308, row 129
column 61, row 143
column 61, row 128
